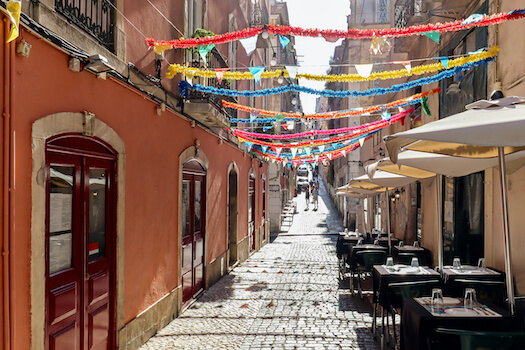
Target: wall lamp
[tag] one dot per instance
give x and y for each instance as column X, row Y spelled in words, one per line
column 98, row 64
column 397, row 194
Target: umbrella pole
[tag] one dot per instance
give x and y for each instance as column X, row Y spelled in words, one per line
column 439, row 193
column 388, row 221
column 506, row 237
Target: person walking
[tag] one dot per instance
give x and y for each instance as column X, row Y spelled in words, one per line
column 307, row 196
column 315, row 194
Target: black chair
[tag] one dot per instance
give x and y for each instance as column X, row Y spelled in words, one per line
column 397, row 291
column 365, row 261
column 425, row 259
column 474, row 340
column 486, row 290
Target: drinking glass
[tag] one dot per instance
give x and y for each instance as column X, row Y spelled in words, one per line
column 481, row 263
column 416, row 244
column 470, row 297
column 390, row 261
column 360, row 241
column 456, row 263
column 415, row 262
column 437, row 297
column 401, row 243
column 346, row 230
column 376, row 242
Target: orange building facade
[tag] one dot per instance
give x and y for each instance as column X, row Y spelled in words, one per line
column 121, row 202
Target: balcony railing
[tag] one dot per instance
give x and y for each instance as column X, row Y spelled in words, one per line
column 404, row 9
column 96, row 17
column 215, row 61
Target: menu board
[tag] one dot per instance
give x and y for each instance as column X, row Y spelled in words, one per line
column 60, row 212
column 60, row 252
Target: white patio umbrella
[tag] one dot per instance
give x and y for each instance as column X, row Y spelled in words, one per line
column 382, row 182
column 488, row 129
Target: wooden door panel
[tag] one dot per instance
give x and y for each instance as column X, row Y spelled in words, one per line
column 187, row 286
column 98, row 287
column 98, row 325
column 187, row 258
column 65, row 338
column 63, row 303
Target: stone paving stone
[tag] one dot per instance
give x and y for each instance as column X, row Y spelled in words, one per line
column 286, row 296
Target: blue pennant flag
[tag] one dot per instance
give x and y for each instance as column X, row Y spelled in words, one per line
column 316, row 157
column 249, row 145
column 289, row 165
column 284, row 41
column 266, row 128
column 257, row 72
column 264, row 148
column 308, row 151
column 444, row 61
column 474, row 18
column 321, row 148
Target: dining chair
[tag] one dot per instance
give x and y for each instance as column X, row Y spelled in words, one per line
column 488, row 290
column 474, row 340
column 365, row 261
column 425, row 259
column 397, row 291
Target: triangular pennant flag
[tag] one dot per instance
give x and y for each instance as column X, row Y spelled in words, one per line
column 386, row 116
column 253, row 115
column 294, row 151
column 425, row 107
column 433, row 35
column 277, row 150
column 444, row 61
column 292, row 71
column 308, row 151
column 343, row 152
column 266, row 128
column 406, row 64
column 290, row 125
column 330, row 39
column 273, row 160
column 321, row 148
column 361, row 141
column 279, row 116
column 249, row 44
column 264, row 148
column 474, row 18
column 203, row 51
column 364, row 70
column 13, row 9
column 249, row 145
column 316, row 156
column 257, row 72
column 284, row 41
column 289, row 165
column 219, row 73
column 329, row 156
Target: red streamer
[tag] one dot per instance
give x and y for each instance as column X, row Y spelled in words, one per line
column 333, row 34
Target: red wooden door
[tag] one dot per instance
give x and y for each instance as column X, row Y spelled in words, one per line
column 251, row 212
column 264, row 209
column 80, row 231
column 193, row 229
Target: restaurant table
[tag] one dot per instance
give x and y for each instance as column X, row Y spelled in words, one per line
column 344, row 241
column 383, row 241
column 418, row 323
column 383, row 276
column 423, row 254
column 471, row 272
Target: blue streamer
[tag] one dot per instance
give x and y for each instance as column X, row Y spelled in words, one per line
column 346, row 93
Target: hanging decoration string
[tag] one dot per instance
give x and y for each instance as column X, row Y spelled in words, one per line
column 331, row 34
column 175, row 69
column 242, row 133
column 329, row 115
column 184, row 86
column 356, row 134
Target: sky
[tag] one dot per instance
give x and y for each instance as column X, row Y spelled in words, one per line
column 314, row 53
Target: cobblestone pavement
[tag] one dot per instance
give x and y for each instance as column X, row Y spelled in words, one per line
column 286, row 296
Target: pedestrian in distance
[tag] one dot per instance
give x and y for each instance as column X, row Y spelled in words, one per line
column 307, row 196
column 315, row 194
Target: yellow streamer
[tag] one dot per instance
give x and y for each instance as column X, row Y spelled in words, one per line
column 417, row 70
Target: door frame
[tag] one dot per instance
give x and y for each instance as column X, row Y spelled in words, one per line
column 186, row 155
column 44, row 128
column 232, row 167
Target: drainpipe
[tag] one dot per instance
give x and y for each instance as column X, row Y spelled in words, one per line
column 6, row 113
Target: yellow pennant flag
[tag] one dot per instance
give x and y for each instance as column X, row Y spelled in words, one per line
column 13, row 8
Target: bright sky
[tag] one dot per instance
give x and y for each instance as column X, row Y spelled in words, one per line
column 314, row 53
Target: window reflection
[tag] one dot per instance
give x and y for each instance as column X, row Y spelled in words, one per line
column 97, row 214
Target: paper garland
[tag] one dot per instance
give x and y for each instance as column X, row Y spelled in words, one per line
column 292, row 71
column 342, row 93
column 353, row 33
column 241, row 133
column 333, row 115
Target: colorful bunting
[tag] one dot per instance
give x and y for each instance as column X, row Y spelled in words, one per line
column 444, row 61
column 257, row 72
column 433, row 35
column 292, row 71
column 264, row 148
column 284, row 41
column 203, row 51
column 219, row 72
column 364, row 70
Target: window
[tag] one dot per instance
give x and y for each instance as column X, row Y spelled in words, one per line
column 372, row 11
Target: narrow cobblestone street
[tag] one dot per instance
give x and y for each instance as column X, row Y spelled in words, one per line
column 286, row 296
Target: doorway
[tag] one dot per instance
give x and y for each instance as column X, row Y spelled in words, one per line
column 263, row 220
column 251, row 211
column 233, row 213
column 193, row 229
column 80, row 243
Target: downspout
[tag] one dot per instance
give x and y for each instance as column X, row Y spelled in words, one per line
column 6, row 113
